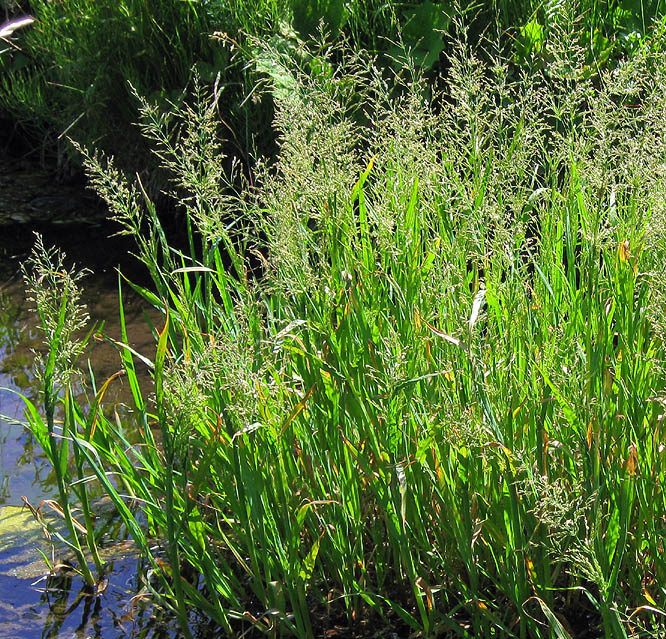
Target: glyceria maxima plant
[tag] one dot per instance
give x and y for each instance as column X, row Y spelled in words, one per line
column 54, row 291
column 411, row 374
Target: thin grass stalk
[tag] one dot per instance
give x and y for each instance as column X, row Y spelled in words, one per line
column 79, row 486
column 60, row 451
column 172, row 516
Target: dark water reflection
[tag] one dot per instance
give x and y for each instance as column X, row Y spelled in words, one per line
column 57, row 608
column 22, row 470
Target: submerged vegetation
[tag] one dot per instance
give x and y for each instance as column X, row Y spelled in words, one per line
column 410, row 373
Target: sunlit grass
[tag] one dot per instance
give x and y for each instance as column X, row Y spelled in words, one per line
column 411, row 374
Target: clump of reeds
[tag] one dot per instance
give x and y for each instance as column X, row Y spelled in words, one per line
column 412, row 376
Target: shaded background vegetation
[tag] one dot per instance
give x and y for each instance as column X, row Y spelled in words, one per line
column 74, row 72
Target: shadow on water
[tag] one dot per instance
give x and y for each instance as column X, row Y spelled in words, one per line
column 32, row 604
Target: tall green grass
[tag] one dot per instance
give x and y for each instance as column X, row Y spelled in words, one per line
column 71, row 74
column 411, row 377
column 55, row 294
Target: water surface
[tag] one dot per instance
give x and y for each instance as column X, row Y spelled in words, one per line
column 32, row 605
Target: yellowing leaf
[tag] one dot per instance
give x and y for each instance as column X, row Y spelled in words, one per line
column 424, row 586
column 296, row 410
column 530, row 569
column 632, row 460
column 623, row 251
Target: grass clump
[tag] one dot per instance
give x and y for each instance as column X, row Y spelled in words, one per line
column 410, row 376
column 55, row 292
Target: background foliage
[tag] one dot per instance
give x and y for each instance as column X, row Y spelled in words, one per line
column 71, row 73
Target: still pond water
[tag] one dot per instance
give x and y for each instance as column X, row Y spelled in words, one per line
column 32, row 606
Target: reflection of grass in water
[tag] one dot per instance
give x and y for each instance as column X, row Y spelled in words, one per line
column 9, row 321
column 59, row 603
column 16, row 370
column 11, row 317
column 17, row 340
